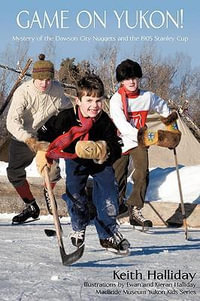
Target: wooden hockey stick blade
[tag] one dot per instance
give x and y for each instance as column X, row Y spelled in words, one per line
column 50, row 232
column 67, row 259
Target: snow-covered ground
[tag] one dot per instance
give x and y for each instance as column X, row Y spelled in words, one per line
column 163, row 185
column 161, row 266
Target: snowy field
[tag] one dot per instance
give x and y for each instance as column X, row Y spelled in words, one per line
column 161, row 265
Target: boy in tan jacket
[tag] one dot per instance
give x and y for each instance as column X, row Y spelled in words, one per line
column 33, row 103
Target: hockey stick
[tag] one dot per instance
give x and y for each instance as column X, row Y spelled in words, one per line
column 51, row 232
column 181, row 195
column 21, row 76
column 13, row 69
column 157, row 213
column 67, row 259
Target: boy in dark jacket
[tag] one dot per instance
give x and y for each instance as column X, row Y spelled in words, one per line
column 86, row 137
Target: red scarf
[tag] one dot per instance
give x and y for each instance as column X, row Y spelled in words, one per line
column 127, row 94
column 55, row 149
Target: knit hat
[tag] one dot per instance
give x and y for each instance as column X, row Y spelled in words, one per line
column 43, row 69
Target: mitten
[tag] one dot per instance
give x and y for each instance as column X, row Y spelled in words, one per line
column 160, row 138
column 146, row 137
column 41, row 161
column 92, row 150
column 168, row 139
column 36, row 145
column 171, row 126
column 170, row 122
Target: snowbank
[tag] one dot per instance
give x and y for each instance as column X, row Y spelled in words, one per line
column 163, row 185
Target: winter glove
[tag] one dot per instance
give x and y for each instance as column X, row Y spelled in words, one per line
column 41, row 161
column 160, row 138
column 36, row 145
column 92, row 150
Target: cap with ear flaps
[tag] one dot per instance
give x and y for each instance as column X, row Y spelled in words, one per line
column 43, row 69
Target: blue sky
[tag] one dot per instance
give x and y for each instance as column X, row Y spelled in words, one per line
column 185, row 39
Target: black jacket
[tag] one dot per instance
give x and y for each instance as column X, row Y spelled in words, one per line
column 102, row 129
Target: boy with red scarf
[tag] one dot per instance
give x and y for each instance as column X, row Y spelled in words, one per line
column 90, row 146
column 129, row 108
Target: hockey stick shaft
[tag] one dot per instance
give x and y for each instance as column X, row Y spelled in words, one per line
column 12, row 69
column 54, row 210
column 158, row 214
column 69, row 86
column 67, row 259
column 21, row 76
column 181, row 194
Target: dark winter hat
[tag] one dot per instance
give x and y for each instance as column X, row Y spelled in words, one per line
column 43, row 69
column 128, row 69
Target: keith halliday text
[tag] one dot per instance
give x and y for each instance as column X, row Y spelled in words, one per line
column 166, row 274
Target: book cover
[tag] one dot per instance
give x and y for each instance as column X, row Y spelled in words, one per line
column 163, row 36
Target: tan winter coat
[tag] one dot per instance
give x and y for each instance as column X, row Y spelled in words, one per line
column 30, row 108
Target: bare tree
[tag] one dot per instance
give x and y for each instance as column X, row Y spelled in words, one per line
column 14, row 56
column 104, row 62
column 194, row 97
column 158, row 73
column 70, row 72
column 170, row 77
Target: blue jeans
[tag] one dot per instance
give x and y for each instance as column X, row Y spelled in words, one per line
column 105, row 196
